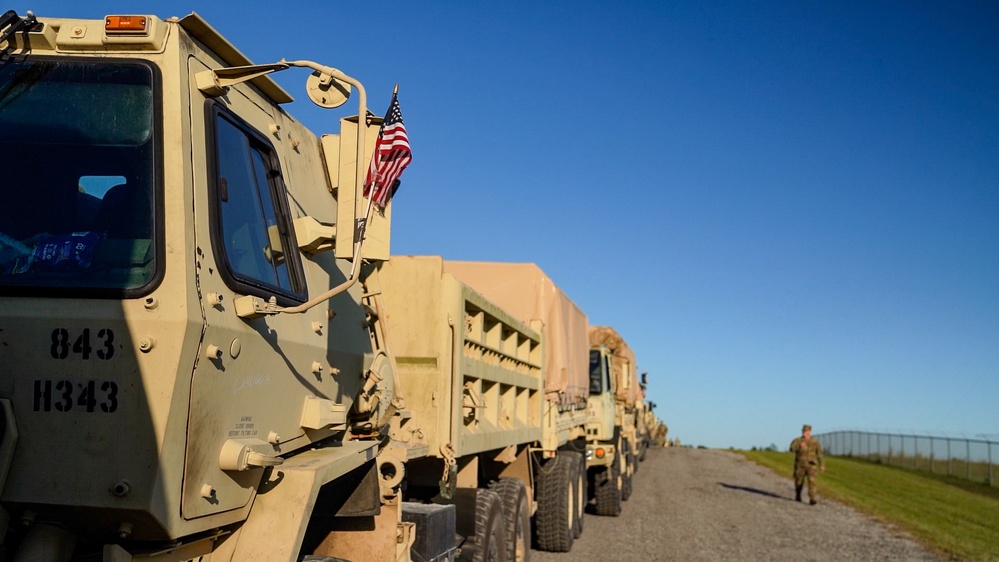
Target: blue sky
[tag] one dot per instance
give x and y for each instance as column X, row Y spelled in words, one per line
column 789, row 209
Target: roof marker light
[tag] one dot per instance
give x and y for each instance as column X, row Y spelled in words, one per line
column 126, row 24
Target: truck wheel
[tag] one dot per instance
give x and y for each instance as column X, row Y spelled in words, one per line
column 553, row 523
column 608, row 494
column 490, row 530
column 516, row 516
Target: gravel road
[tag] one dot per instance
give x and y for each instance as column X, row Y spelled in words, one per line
column 710, row 505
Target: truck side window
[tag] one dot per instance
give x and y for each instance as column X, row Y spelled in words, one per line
column 253, row 228
column 608, row 373
column 596, row 373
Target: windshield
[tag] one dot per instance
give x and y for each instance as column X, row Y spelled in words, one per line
column 76, row 174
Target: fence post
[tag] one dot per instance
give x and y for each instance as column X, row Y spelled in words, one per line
column 932, row 451
column 991, row 481
column 967, row 456
column 948, row 457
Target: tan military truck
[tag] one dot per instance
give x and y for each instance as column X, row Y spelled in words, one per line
column 604, row 444
column 614, row 397
column 190, row 362
column 577, row 378
column 498, row 394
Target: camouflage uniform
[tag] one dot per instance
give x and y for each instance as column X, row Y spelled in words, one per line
column 807, row 460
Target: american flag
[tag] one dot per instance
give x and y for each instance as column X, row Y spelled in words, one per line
column 390, row 158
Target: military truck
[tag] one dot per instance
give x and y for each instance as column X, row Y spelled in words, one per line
column 197, row 321
column 615, row 396
column 496, row 383
column 579, row 377
column 190, row 366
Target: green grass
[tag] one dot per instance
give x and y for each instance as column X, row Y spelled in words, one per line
column 951, row 515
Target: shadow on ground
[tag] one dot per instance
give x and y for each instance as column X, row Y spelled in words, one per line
column 753, row 491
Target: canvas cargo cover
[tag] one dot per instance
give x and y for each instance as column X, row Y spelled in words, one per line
column 523, row 290
column 625, row 367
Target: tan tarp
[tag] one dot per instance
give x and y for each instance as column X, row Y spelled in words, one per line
column 524, row 291
column 625, row 367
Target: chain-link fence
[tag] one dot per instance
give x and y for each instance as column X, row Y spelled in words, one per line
column 954, row 456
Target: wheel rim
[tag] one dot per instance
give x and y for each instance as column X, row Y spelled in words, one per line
column 494, row 550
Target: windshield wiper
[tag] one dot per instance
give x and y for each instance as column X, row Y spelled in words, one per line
column 10, row 24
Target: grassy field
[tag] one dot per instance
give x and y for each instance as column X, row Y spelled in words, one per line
column 955, row 517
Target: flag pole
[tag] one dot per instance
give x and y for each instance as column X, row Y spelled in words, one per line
column 371, row 194
column 363, row 223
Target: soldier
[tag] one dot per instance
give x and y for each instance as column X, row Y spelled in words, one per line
column 807, row 457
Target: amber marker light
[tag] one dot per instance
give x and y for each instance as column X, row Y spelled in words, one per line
column 125, row 24
column 600, row 453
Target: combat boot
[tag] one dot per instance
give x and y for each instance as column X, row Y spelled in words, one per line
column 797, row 493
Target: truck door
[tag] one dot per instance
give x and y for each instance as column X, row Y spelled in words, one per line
column 252, row 375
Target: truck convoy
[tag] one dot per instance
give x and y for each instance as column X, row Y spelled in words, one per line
column 206, row 352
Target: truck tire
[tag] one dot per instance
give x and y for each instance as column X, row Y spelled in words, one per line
column 553, row 522
column 516, row 516
column 627, row 479
column 490, row 530
column 608, row 493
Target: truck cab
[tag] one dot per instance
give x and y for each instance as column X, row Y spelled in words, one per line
column 170, row 344
column 605, row 447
